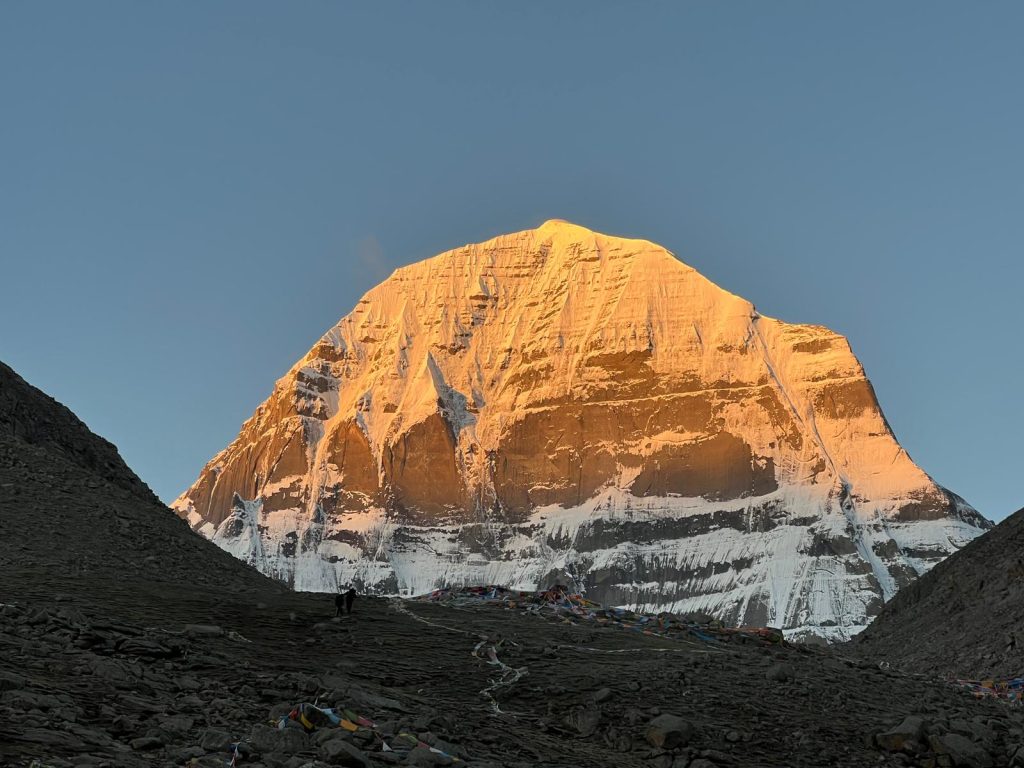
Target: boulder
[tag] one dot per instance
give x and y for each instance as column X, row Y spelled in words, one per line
column 669, row 731
column 146, row 743
column 188, row 684
column 905, row 737
column 602, row 695
column 779, row 673
column 283, row 740
column 190, row 703
column 962, row 751
column 263, row 738
column 10, row 681
column 291, row 740
column 584, row 720
column 214, row 740
column 340, row 752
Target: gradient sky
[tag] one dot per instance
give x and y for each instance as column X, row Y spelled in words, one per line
column 191, row 193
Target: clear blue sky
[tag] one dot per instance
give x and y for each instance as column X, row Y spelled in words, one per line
column 191, row 193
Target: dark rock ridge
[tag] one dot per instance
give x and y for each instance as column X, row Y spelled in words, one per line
column 34, row 417
column 965, row 617
column 563, row 404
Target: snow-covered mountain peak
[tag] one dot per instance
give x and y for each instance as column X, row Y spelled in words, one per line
column 553, row 246
column 565, row 239
column 560, row 401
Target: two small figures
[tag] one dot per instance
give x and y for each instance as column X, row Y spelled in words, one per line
column 344, row 601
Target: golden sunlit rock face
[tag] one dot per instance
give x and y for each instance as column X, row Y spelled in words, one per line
column 559, row 403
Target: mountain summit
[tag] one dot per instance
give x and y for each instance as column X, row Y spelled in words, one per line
column 559, row 404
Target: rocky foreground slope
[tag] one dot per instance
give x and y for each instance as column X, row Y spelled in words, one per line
column 965, row 617
column 128, row 641
column 562, row 405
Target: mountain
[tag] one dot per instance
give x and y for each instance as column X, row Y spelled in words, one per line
column 32, row 417
column 963, row 618
column 559, row 404
column 74, row 514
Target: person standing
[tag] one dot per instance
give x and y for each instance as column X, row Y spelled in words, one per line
column 350, row 597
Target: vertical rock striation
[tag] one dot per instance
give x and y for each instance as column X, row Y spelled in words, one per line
column 563, row 404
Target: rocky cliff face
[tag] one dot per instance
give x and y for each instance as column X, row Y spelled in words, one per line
column 562, row 404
